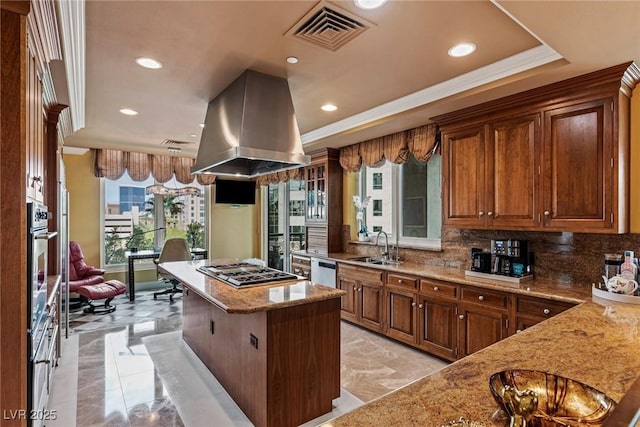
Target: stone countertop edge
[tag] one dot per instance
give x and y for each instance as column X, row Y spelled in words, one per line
column 250, row 300
column 563, row 291
column 596, row 343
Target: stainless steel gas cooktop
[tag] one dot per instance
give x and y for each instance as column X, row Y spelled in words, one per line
column 243, row 275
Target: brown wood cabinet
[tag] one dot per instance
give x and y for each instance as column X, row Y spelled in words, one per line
column 551, row 159
column 301, row 265
column 438, row 318
column 323, row 218
column 483, row 319
column 282, row 366
column 530, row 311
column 363, row 303
column 36, row 129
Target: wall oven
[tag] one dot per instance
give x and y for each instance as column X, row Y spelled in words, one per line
column 40, row 329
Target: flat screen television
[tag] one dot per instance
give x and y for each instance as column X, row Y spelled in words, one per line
column 235, row 192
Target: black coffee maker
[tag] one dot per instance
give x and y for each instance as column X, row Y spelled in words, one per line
column 480, row 260
column 511, row 258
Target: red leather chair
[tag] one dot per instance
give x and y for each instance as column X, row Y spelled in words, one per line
column 81, row 274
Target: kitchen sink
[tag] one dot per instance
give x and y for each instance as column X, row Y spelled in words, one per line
column 378, row 261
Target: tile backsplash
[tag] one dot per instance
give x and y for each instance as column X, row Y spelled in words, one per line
column 566, row 257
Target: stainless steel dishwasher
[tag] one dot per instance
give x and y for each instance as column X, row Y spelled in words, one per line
column 323, row 271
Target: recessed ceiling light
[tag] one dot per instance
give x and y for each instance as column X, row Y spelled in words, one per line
column 369, row 4
column 292, row 60
column 462, row 49
column 201, row 125
column 148, row 63
column 193, row 135
column 329, row 107
column 128, row 111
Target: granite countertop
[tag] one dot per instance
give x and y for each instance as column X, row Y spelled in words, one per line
column 258, row 298
column 556, row 290
column 596, row 343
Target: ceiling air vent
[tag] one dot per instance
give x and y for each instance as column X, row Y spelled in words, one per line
column 328, row 26
column 174, row 142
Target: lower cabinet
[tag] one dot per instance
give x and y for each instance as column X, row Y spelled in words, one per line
column 442, row 318
column 363, row 302
column 301, row 266
column 531, row 310
column 438, row 318
column 483, row 318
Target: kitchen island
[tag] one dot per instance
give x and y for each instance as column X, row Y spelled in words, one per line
column 596, row 343
column 275, row 348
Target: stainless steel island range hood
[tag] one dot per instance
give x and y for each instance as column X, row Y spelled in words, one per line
column 250, row 129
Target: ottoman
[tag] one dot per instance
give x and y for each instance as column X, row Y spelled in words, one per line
column 106, row 291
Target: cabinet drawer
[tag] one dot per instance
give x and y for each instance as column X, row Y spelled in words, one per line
column 435, row 288
column 301, row 260
column 484, row 297
column 540, row 307
column 359, row 273
column 401, row 280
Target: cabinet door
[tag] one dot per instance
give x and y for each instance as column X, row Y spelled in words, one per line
column 580, row 167
column 401, row 313
column 479, row 327
column 316, row 193
column 195, row 323
column 349, row 301
column 463, row 186
column 512, row 171
column 438, row 327
column 371, row 306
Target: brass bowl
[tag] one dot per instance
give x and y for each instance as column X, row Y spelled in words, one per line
column 561, row 401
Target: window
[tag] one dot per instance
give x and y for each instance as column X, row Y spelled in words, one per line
column 130, row 217
column 409, row 209
column 377, row 208
column 377, row 181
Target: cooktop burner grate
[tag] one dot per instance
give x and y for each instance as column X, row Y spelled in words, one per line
column 246, row 275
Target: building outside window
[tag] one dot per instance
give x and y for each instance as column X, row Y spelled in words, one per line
column 409, row 208
column 130, row 218
column 377, row 208
column 377, row 181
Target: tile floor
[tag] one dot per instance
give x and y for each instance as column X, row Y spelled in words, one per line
column 107, row 378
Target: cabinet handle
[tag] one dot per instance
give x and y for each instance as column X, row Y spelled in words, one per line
column 481, row 298
column 518, row 331
column 413, row 304
column 547, row 213
column 490, row 213
column 435, row 288
column 399, row 280
column 359, row 289
column 461, row 317
column 480, row 213
column 420, row 306
column 546, row 311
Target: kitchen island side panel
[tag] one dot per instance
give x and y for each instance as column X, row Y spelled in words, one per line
column 304, row 361
column 281, row 367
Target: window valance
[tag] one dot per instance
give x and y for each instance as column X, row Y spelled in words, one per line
column 422, row 142
column 282, row 176
column 112, row 164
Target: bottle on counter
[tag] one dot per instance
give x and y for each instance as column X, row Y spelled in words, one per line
column 628, row 269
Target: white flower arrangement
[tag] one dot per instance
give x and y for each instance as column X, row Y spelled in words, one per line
column 361, row 204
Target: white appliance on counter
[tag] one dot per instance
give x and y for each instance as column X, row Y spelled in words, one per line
column 323, row 271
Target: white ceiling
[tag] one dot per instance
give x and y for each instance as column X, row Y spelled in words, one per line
column 394, row 76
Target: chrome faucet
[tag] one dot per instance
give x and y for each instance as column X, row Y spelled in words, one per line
column 385, row 254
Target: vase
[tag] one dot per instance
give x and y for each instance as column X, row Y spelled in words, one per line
column 362, row 237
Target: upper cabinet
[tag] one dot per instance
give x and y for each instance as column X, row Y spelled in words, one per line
column 36, row 130
column 552, row 159
column 324, row 202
